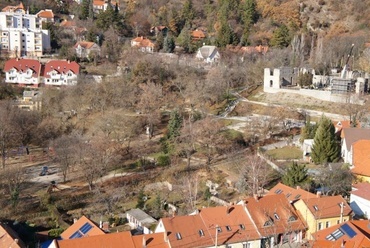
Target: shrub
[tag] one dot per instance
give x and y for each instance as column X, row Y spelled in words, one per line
column 55, row 233
column 163, row 160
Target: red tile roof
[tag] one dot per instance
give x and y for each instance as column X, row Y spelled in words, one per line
column 362, row 190
column 95, row 230
column 143, row 42
column 9, row 238
column 47, row 13
column 361, row 157
column 292, row 194
column 120, row 239
column 61, row 66
column 354, row 233
column 198, row 34
column 327, row 206
column 351, row 135
column 84, row 44
column 13, row 8
column 23, row 65
column 273, row 214
column 68, row 24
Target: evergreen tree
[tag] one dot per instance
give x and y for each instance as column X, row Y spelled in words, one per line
column 174, row 23
column 159, row 42
column 188, row 12
column 226, row 36
column 325, row 148
column 140, row 200
column 295, row 175
column 281, row 37
column 84, row 11
column 168, row 44
column 308, row 131
column 174, row 125
column 184, row 40
column 249, row 15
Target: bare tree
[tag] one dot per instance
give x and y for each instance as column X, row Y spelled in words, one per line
column 9, row 135
column 254, row 174
column 65, row 151
column 208, row 135
column 13, row 177
column 151, row 100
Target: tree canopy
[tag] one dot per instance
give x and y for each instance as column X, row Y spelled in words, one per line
column 325, row 148
column 296, row 175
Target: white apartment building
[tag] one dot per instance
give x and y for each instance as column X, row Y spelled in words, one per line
column 22, row 35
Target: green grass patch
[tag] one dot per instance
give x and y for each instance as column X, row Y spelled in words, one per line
column 285, row 153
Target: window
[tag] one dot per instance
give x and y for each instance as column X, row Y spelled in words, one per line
column 178, row 236
column 327, row 224
column 292, row 218
column 219, row 229
column 319, row 226
column 278, row 191
column 201, row 233
column 271, row 73
column 242, row 226
column 337, row 221
column 271, row 83
column 246, row 245
column 297, row 196
column 287, row 195
column 276, row 216
column 228, row 228
column 316, row 208
column 229, row 246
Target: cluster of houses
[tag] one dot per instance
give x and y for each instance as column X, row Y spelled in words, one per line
column 32, row 73
column 284, row 215
column 355, row 148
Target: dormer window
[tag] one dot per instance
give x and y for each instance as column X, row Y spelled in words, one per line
column 228, row 228
column 289, row 194
column 292, row 218
column 276, row 216
column 268, row 223
column 242, row 226
column 278, row 191
column 178, row 236
column 201, row 233
column 219, row 229
column 316, row 207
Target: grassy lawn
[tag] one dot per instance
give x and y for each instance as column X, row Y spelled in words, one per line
column 285, row 153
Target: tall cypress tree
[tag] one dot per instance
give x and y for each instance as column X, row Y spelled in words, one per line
column 296, row 175
column 325, row 148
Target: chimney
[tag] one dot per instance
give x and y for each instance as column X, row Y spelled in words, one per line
column 165, row 237
column 298, row 187
column 227, row 210
column 16, row 241
column 74, row 220
column 318, row 194
column 144, row 242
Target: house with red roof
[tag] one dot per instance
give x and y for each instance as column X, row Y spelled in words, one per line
column 292, row 194
column 112, row 240
column 23, row 72
column 102, row 5
column 349, row 137
column 198, row 34
column 143, row 44
column 15, row 9
column 275, row 219
column 46, row 15
column 350, row 234
column 86, row 49
column 61, row 73
column 360, row 153
column 9, row 238
column 360, row 199
column 223, row 226
column 322, row 212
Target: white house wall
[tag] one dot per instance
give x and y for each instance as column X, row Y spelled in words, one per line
column 360, row 205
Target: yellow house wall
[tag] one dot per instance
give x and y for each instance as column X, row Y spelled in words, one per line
column 312, row 222
column 364, row 179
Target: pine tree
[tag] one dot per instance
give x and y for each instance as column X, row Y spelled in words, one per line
column 168, row 44
column 281, row 37
column 325, row 148
column 84, row 11
column 308, row 131
column 174, row 125
column 188, row 13
column 295, row 175
column 226, row 36
column 249, row 15
column 184, row 40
